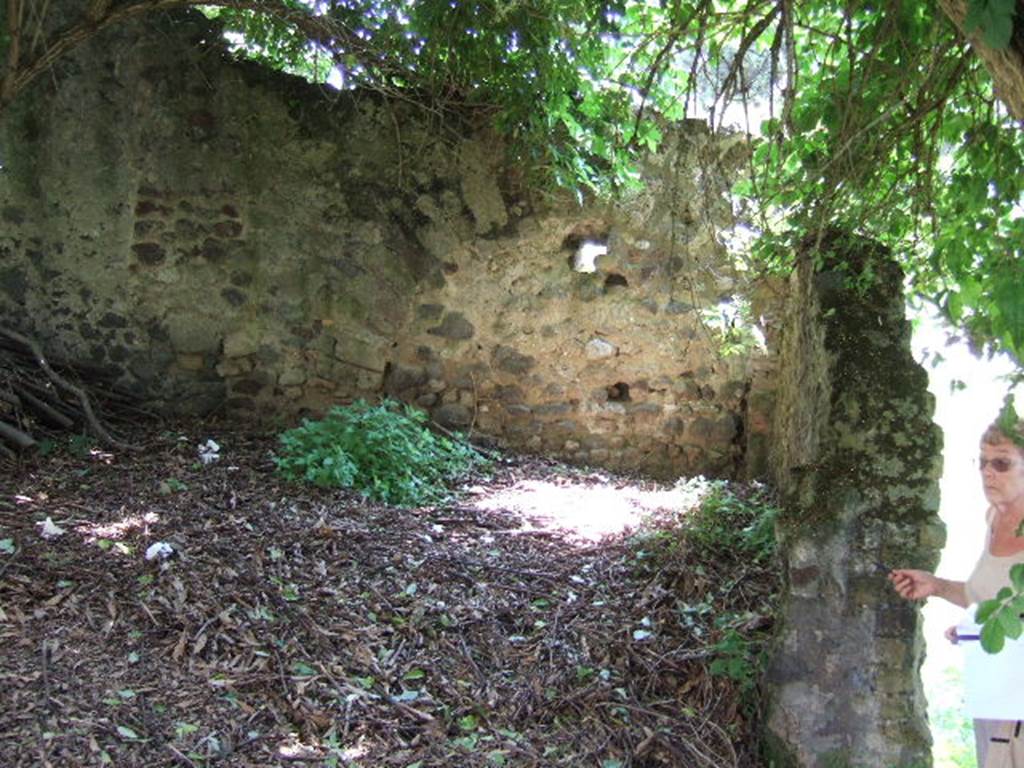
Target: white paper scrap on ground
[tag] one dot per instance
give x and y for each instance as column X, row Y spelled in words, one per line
column 49, row 530
column 995, row 681
column 160, row 550
column 209, row 452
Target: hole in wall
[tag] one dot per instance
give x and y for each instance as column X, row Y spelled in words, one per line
column 585, row 251
column 618, row 392
column 615, row 280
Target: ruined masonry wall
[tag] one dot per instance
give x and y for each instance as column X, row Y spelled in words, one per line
column 213, row 236
column 857, row 459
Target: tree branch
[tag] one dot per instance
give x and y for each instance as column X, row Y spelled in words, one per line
column 98, row 429
column 13, row 17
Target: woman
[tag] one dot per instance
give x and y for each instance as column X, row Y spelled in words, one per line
column 1000, row 744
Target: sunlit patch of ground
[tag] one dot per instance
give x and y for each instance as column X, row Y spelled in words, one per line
column 587, row 508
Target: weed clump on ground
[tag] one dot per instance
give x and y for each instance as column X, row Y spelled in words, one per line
column 718, row 561
column 387, row 452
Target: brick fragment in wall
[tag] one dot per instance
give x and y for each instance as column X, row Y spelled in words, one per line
column 150, row 208
column 149, row 254
column 227, row 229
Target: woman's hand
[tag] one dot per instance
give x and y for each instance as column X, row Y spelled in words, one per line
column 917, row 585
column 914, row 585
column 951, row 635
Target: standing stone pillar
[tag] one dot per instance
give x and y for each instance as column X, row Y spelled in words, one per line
column 857, row 459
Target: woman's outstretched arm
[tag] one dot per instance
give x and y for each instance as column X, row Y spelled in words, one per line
column 917, row 585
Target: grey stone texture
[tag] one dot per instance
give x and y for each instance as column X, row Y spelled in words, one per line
column 857, row 458
column 281, row 251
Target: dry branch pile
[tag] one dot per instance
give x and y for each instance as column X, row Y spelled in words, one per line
column 300, row 626
column 36, row 397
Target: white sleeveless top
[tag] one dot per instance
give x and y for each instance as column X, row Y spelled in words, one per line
column 992, row 572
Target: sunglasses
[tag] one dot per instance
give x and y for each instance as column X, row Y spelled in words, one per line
column 999, row 464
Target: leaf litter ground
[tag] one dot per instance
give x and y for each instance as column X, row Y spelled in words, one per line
column 518, row 625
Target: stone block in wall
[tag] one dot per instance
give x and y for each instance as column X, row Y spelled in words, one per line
column 399, row 379
column 242, row 342
column 510, row 394
column 511, row 360
column 292, row 376
column 454, row 326
column 192, row 362
column 453, row 416
column 479, row 188
column 236, row 366
column 598, row 349
column 198, row 335
column 710, row 431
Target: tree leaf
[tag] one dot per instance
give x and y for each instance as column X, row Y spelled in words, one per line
column 1017, row 577
column 992, row 637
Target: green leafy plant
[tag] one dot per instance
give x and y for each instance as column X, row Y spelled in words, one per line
column 386, row 452
column 725, row 521
column 736, row 658
column 739, row 654
column 1000, row 617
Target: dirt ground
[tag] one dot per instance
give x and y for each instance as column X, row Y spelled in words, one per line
column 525, row 623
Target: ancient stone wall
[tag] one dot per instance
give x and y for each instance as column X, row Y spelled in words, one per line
column 214, row 236
column 857, row 458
